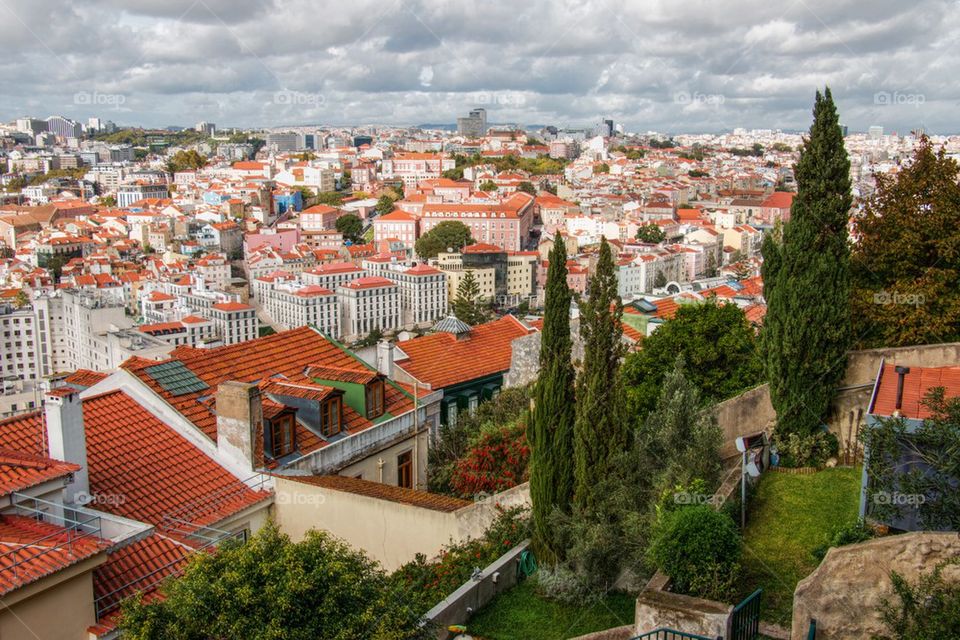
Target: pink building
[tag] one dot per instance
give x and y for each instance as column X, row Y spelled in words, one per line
column 505, row 224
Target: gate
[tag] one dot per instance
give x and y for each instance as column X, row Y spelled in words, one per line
column 745, row 620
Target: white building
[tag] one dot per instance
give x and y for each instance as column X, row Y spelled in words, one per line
column 332, row 275
column 368, row 304
column 235, row 321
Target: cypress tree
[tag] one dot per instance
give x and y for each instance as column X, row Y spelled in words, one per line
column 600, row 429
column 550, row 429
column 806, row 279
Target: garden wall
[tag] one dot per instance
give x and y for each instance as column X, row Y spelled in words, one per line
column 472, row 595
column 843, row 593
column 657, row 609
column 751, row 411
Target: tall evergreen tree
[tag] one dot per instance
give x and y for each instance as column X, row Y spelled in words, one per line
column 467, row 306
column 550, row 428
column 807, row 281
column 600, row 429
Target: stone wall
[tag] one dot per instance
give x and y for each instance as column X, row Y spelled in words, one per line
column 843, row 593
column 751, row 411
column 656, row 609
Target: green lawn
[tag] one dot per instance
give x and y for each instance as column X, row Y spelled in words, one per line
column 520, row 614
column 788, row 518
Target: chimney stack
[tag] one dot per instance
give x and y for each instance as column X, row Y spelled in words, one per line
column 66, row 439
column 385, row 357
column 240, row 424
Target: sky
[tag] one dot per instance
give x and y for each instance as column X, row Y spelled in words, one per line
column 670, row 66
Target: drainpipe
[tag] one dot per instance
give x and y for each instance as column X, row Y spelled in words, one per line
column 380, row 470
column 901, row 373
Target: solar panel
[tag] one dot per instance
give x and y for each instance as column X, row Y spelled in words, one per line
column 175, row 378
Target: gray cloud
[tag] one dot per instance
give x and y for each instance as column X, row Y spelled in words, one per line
column 750, row 63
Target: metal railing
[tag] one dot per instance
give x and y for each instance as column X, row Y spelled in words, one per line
column 74, row 528
column 745, row 619
column 108, row 602
column 671, row 634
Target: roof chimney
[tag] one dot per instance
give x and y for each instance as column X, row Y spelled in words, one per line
column 385, row 357
column 66, row 439
column 901, row 373
column 240, row 424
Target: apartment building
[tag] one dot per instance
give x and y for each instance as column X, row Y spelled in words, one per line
column 294, row 304
column 411, row 168
column 506, row 224
column 332, row 275
column 396, row 225
column 235, row 321
column 127, row 194
column 371, row 303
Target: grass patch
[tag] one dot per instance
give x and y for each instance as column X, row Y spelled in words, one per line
column 789, row 517
column 521, row 614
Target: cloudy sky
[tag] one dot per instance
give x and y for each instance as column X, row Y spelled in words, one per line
column 677, row 66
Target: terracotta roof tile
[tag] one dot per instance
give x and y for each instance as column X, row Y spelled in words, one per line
column 422, row 499
column 19, row 470
column 916, row 385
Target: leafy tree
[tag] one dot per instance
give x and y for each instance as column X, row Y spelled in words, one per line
column 21, row 299
column 682, row 433
column 449, row 234
column 550, row 431
column 384, row 205
column 455, row 441
column 350, row 226
column 497, row 461
column 527, row 187
column 717, row 344
column 603, row 167
column 806, row 330
column 272, row 588
column 306, row 156
column 651, row 233
column 108, row 201
column 306, row 195
column 453, row 174
column 928, row 608
column 697, row 173
column 906, row 264
column 467, row 305
column 924, row 461
column 488, row 185
column 330, row 198
column 781, row 147
column 188, row 160
column 600, row 429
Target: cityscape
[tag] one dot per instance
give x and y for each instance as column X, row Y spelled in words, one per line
column 479, row 323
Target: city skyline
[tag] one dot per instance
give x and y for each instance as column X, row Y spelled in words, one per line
column 656, row 67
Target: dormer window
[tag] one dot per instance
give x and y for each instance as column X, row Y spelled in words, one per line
column 282, row 436
column 330, row 417
column 375, row 399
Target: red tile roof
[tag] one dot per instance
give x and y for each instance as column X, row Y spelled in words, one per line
column 84, row 378
column 39, row 549
column 147, row 469
column 19, row 470
column 369, row 282
column 232, row 306
column 916, row 385
column 138, row 566
column 287, row 354
column 412, row 497
column 441, row 360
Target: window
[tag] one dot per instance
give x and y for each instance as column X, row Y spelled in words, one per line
column 375, row 399
column 405, row 470
column 330, row 417
column 281, row 436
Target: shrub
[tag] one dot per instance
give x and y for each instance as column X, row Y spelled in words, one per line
column 806, row 451
column 690, row 543
column 498, row 461
column 927, row 609
column 429, row 582
column 852, row 533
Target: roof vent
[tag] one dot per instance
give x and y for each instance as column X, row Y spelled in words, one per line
column 452, row 324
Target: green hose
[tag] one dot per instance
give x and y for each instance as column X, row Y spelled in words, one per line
column 527, row 565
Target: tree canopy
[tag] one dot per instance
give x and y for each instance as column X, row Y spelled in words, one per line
column 271, row 588
column 189, row 160
column 905, row 265
column 449, row 234
column 467, row 305
column 351, row 227
column 717, row 344
column 651, row 233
